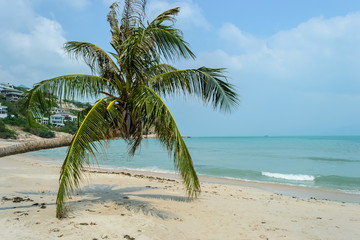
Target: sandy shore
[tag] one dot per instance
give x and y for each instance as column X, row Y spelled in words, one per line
column 120, row 206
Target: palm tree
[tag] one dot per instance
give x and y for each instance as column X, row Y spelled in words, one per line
column 130, row 83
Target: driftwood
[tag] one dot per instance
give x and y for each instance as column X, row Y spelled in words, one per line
column 35, row 146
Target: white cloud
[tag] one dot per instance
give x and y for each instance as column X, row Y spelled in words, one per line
column 304, row 80
column 190, row 13
column 45, row 36
column 246, row 41
column 31, row 49
column 317, row 52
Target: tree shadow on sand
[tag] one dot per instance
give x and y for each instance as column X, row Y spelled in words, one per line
column 99, row 193
column 102, row 193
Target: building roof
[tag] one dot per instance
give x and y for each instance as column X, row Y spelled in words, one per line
column 23, row 86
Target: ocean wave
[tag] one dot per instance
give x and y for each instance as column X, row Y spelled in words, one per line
column 233, row 173
column 334, row 180
column 293, row 177
column 332, row 159
column 146, row 169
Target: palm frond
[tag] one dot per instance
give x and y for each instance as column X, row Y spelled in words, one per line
column 87, row 140
column 117, row 36
column 95, row 57
column 168, row 40
column 145, row 46
column 64, row 87
column 153, row 42
column 168, row 15
column 155, row 113
column 112, row 18
column 157, row 69
column 133, row 13
column 207, row 83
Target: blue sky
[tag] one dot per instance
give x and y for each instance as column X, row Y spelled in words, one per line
column 295, row 64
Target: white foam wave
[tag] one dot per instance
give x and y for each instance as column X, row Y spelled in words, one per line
column 294, row 177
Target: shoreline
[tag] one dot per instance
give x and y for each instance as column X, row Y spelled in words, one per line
column 307, row 192
column 277, row 188
column 112, row 206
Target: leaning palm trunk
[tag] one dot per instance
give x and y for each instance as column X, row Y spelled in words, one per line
column 35, row 146
column 130, row 83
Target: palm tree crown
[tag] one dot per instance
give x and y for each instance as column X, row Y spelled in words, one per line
column 131, row 81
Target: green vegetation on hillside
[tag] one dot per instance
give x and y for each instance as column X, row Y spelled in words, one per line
column 70, row 127
column 39, row 130
column 80, row 104
column 16, row 118
column 35, row 128
column 13, row 109
column 5, row 132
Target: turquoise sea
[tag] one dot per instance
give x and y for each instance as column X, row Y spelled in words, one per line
column 326, row 162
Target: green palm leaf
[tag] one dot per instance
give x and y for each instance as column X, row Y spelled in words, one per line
column 87, row 141
column 207, row 83
column 64, row 87
column 150, row 106
column 96, row 58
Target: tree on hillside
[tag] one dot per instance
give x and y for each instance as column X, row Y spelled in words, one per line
column 130, row 83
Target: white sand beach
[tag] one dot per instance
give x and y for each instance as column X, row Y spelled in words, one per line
column 146, row 206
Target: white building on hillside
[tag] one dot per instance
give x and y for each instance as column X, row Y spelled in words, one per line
column 11, row 94
column 69, row 117
column 57, row 120
column 6, row 86
column 43, row 120
column 3, row 111
column 55, row 110
column 60, row 117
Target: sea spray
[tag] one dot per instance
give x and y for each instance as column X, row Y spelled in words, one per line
column 292, row 177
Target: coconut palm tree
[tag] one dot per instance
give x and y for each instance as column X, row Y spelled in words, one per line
column 130, row 84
